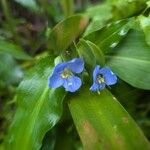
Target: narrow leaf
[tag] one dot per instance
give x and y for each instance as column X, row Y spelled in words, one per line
column 99, row 56
column 39, row 108
column 131, row 60
column 91, row 53
column 68, row 7
column 85, row 51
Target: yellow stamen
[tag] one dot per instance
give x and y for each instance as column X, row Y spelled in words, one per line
column 66, row 73
column 98, row 92
column 100, row 79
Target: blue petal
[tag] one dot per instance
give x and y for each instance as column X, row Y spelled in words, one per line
column 55, row 81
column 109, row 77
column 60, row 67
column 102, row 86
column 94, row 87
column 105, row 71
column 72, row 83
column 76, row 65
column 96, row 72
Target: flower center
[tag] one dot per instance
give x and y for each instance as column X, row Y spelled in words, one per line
column 100, row 79
column 66, row 73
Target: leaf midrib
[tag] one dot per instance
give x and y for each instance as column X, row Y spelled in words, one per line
column 34, row 116
column 129, row 59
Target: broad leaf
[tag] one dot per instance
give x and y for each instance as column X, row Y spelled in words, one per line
column 109, row 36
column 130, row 60
column 15, row 50
column 39, row 108
column 102, row 123
column 65, row 32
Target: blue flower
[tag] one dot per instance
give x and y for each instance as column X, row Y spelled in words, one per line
column 63, row 75
column 102, row 77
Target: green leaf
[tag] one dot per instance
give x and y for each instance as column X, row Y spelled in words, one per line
column 65, row 32
column 10, row 71
column 99, row 15
column 109, row 36
column 85, row 52
column 30, row 4
column 102, row 123
column 15, row 50
column 98, row 54
column 126, row 8
column 131, row 60
column 91, row 54
column 39, row 108
column 145, row 25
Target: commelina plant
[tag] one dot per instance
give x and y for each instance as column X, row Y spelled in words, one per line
column 104, row 46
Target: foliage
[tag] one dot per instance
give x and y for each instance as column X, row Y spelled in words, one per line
column 36, row 35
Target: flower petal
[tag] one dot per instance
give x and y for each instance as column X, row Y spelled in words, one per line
column 55, row 81
column 104, row 71
column 96, row 72
column 60, row 67
column 102, row 86
column 94, row 87
column 76, row 65
column 72, row 83
column 109, row 77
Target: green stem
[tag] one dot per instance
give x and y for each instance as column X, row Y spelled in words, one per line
column 67, row 7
